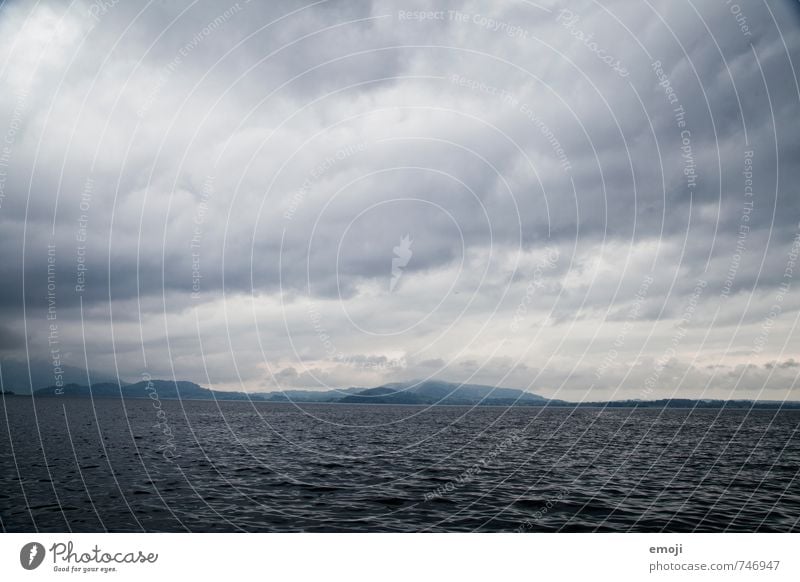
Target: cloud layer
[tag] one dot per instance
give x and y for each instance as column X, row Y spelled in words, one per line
column 596, row 202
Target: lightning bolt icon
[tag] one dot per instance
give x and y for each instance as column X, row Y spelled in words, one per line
column 32, row 555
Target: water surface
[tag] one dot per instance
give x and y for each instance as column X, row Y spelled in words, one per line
column 77, row 465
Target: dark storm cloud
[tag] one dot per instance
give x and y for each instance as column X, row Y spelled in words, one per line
column 187, row 154
column 10, row 338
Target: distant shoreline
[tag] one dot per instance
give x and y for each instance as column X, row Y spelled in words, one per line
column 612, row 404
column 422, row 393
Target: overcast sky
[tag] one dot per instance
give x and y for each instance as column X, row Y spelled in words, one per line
column 599, row 202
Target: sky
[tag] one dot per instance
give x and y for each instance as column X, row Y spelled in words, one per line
column 597, row 202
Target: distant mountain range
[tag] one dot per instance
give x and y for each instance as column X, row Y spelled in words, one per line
column 19, row 376
column 428, row 393
column 437, row 392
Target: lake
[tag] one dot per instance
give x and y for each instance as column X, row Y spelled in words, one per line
column 70, row 464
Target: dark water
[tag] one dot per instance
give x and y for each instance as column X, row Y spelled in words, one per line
column 274, row 467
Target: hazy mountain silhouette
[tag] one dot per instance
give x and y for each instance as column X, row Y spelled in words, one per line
column 439, row 392
column 15, row 376
column 428, row 392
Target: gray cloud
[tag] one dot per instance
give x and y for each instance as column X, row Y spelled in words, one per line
column 212, row 175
